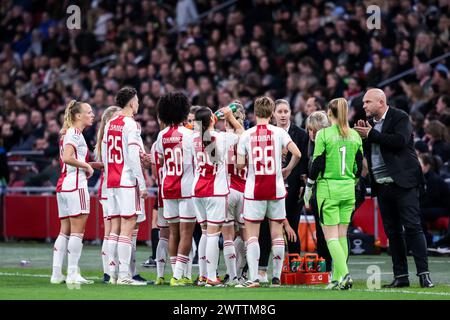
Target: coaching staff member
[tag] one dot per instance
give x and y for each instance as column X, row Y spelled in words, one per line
column 395, row 179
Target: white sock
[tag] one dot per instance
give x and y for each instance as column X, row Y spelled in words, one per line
column 240, row 255
column 173, row 262
column 59, row 252
column 180, row 266
column 161, row 256
column 278, row 256
column 229, row 254
column 188, row 273
column 212, row 255
column 133, row 254
column 74, row 247
column 253, row 258
column 113, row 260
column 124, row 252
column 105, row 255
column 202, row 255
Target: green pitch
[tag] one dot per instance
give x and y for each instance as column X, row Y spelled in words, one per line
column 33, row 281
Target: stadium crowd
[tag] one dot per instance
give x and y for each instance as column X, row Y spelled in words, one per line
column 307, row 52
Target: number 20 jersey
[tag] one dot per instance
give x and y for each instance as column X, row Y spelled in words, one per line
column 120, row 133
column 174, row 143
column 263, row 145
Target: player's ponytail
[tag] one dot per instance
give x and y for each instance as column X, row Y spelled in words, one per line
column 203, row 117
column 339, row 111
column 106, row 116
column 73, row 108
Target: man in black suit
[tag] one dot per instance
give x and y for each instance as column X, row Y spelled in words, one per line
column 395, row 176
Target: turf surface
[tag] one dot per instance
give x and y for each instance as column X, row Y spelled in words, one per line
column 32, row 281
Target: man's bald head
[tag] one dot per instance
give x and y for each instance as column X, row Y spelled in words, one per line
column 375, row 103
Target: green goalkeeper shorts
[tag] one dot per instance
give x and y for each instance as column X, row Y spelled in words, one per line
column 333, row 212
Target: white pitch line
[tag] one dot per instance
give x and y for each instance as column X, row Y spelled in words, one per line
column 387, row 291
column 366, row 262
column 17, row 274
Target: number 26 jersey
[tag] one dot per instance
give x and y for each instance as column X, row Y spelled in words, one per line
column 263, row 145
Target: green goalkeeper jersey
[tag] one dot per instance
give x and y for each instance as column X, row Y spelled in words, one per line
column 339, row 174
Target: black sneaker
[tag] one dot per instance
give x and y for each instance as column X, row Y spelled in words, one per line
column 138, row 277
column 106, row 278
column 425, row 281
column 226, row 278
column 346, row 283
column 150, row 263
column 275, row 282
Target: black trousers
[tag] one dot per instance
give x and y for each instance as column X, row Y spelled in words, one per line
column 400, row 212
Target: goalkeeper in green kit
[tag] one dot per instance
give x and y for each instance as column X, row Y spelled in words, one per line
column 336, row 167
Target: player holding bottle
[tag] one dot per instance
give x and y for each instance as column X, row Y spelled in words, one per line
column 125, row 182
column 210, row 188
column 72, row 192
column 174, row 148
column 264, row 188
column 337, row 165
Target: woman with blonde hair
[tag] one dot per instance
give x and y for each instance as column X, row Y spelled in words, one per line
column 72, row 192
column 100, row 155
column 336, row 167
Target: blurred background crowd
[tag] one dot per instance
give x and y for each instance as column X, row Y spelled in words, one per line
column 307, row 52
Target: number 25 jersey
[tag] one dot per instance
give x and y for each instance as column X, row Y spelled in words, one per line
column 263, row 145
column 174, row 143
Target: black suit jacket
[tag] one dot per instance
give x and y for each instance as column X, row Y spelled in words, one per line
column 397, row 149
column 300, row 138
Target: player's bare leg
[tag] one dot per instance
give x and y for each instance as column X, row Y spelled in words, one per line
column 74, row 248
column 229, row 252
column 113, row 257
column 278, row 246
column 59, row 252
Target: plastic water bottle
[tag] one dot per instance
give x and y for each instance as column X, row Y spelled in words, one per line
column 220, row 115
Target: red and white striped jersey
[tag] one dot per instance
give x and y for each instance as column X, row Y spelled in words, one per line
column 236, row 177
column 154, row 157
column 210, row 177
column 174, row 143
column 102, row 194
column 121, row 132
column 72, row 178
column 263, row 145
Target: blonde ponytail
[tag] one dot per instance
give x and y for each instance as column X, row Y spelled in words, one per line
column 339, row 111
column 73, row 108
column 106, row 116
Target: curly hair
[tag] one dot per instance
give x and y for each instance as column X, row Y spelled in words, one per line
column 173, row 108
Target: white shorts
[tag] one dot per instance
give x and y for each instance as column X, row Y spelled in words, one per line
column 73, row 203
column 211, row 210
column 125, row 202
column 256, row 210
column 179, row 210
column 161, row 221
column 104, row 203
column 235, row 205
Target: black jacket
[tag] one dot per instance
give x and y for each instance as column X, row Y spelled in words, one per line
column 300, row 138
column 397, row 149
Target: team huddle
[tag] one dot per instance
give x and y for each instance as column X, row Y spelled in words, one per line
column 227, row 181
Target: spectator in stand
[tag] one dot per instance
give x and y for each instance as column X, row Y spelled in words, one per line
column 438, row 140
column 435, row 199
